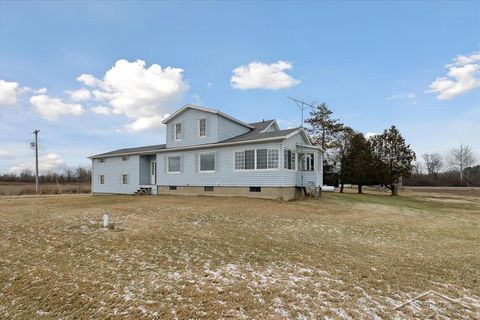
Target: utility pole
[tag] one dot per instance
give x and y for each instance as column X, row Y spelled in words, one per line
column 301, row 104
column 37, row 186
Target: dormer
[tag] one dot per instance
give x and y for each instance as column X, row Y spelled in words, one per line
column 193, row 125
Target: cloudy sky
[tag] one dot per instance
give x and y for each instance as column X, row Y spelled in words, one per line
column 94, row 77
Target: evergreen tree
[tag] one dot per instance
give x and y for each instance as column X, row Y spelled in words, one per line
column 358, row 162
column 323, row 127
column 392, row 158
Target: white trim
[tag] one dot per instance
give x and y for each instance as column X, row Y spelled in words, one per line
column 100, row 179
column 175, row 131
column 121, row 179
column 168, row 164
column 255, row 160
column 199, row 135
column 191, row 106
column 271, row 123
column 200, row 162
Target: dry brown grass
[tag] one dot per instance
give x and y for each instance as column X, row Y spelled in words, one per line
column 20, row 188
column 345, row 256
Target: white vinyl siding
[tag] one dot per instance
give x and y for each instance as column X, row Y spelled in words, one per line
column 207, row 162
column 217, row 128
column 174, row 164
column 112, row 170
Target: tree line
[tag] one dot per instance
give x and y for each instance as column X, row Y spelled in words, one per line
column 384, row 159
column 456, row 168
column 80, row 174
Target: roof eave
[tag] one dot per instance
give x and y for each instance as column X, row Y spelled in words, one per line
column 212, row 145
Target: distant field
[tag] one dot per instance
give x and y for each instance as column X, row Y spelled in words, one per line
column 19, row 188
column 466, row 191
column 346, row 256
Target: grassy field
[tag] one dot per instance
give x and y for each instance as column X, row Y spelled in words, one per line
column 20, row 188
column 346, row 256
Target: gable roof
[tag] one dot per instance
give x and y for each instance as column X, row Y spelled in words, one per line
column 214, row 111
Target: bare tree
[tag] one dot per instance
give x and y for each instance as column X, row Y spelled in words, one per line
column 418, row 168
column 433, row 163
column 461, row 158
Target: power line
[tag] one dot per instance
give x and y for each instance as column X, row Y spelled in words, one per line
column 302, row 105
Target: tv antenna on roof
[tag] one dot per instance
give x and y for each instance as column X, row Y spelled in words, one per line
column 302, row 105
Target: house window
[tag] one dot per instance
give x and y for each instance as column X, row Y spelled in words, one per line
column 202, row 128
column 255, row 189
column 256, row 159
column 262, row 159
column 240, row 160
column 272, row 159
column 249, row 159
column 289, row 159
column 124, row 158
column 101, row 179
column 208, row 188
column 172, row 188
column 207, row 162
column 174, row 164
column 124, row 178
column 306, row 161
column 267, row 159
column 178, row 131
column 102, row 160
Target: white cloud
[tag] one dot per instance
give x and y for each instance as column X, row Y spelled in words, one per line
column 102, row 110
column 51, row 162
column 462, row 77
column 88, row 80
column 8, row 93
column 4, row 154
column 410, row 97
column 288, row 124
column 146, row 123
column 137, row 91
column 259, row 75
column 79, row 95
column 52, row 108
column 41, row 91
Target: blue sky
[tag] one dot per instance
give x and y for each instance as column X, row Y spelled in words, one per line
column 415, row 65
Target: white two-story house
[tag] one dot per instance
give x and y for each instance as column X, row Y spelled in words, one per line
column 208, row 152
